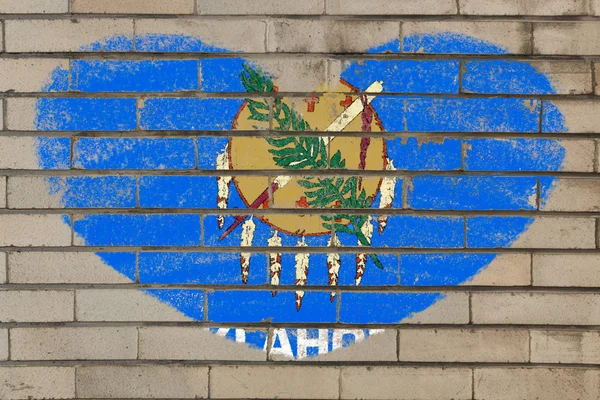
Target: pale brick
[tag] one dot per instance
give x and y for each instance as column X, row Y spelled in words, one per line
column 574, row 270
column 579, row 156
column 559, row 233
column 123, row 305
column 325, row 36
column 242, row 35
column 464, row 345
column 142, row 381
column 283, row 382
column 33, row 230
column 567, row 77
column 24, row 383
column 193, row 343
column 566, row 38
column 514, row 37
column 391, row 7
column 3, row 268
column 133, row 6
column 511, row 269
column 53, row 267
column 261, row 7
column 34, row 6
column 452, row 308
column 573, row 195
column 581, row 116
column 296, row 74
column 62, row 35
column 18, row 153
column 523, row 7
column 106, row 343
column 36, row 305
column 3, row 194
column 536, row 308
column 3, row 344
column 380, row 345
column 398, row 383
column 575, row 347
column 31, row 192
column 21, row 114
column 595, row 7
column 536, row 383
column 26, row 75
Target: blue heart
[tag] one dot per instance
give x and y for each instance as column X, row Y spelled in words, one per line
column 427, row 113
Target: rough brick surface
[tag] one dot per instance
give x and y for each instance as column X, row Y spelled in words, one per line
column 563, row 384
column 305, row 36
column 574, row 195
column 28, row 75
column 566, row 270
column 267, row 382
column 535, row 308
column 73, row 343
column 394, row 7
column 3, row 268
column 463, row 345
column 33, row 230
column 34, row 6
column 133, row 7
column 526, row 7
column 3, row 344
column 405, row 383
column 569, row 38
column 63, row 35
column 565, row 347
column 151, row 381
column 2, row 191
column 258, row 7
column 21, row 383
column 36, row 306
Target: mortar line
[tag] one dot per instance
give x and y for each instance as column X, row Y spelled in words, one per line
column 137, row 342
column 531, row 274
column 472, row 380
column 531, row 38
column 470, row 308
column 3, row 34
column 596, row 156
column 208, row 394
column 9, row 355
column 529, row 344
column 398, row 345
column 340, row 383
column 137, row 267
column 538, row 194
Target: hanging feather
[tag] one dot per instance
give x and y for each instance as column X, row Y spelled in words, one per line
column 333, row 264
column 387, row 189
column 301, row 273
column 274, row 261
column 247, row 236
column 361, row 259
column 222, row 185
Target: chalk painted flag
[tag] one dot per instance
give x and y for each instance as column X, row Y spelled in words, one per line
column 314, row 191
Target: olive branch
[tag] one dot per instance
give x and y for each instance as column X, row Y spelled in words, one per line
column 308, row 152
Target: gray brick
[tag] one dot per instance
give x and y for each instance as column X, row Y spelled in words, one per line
column 61, row 35
column 66, row 343
column 512, row 36
column 523, row 7
column 3, row 344
column 577, row 347
column 453, row 308
column 536, row 383
column 391, row 7
column 36, row 305
column 580, row 116
column 3, row 268
column 536, row 308
column 558, row 233
column 242, row 35
column 142, row 381
column 464, row 345
column 27, row 75
column 34, row 230
column 2, row 192
column 400, row 383
column 513, row 269
column 574, row 270
column 18, row 153
column 566, row 38
column 24, row 383
column 296, row 74
column 578, row 155
column 193, row 343
column 261, row 7
column 283, row 382
column 34, row 6
column 55, row 267
column 123, row 305
column 325, row 36
column 573, row 195
column 133, row 6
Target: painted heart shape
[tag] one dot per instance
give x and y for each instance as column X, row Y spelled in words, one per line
column 428, row 104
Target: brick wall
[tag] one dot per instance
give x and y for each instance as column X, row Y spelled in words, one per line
column 114, row 282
